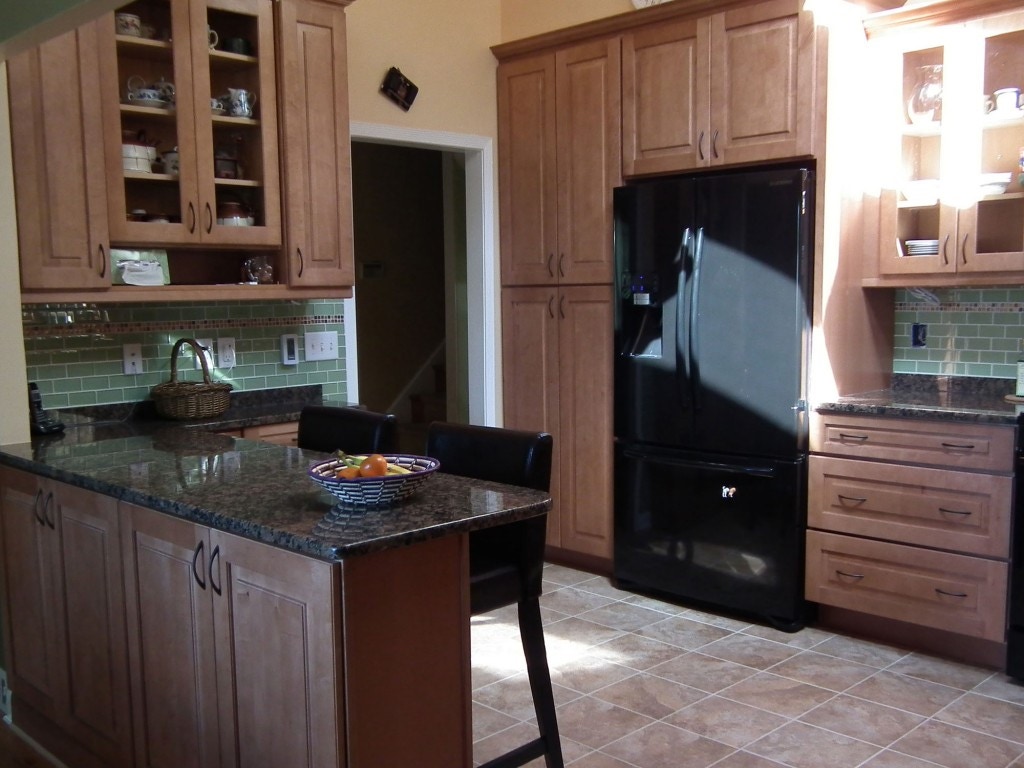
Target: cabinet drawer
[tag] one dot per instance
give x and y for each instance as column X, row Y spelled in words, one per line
column 939, row 443
column 960, row 511
column 957, row 593
column 285, row 433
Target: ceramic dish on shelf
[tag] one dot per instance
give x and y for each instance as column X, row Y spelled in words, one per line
column 993, row 183
column 921, row 191
column 154, row 103
column 218, row 111
column 374, row 491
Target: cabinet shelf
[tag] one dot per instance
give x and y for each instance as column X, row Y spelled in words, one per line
column 158, row 112
column 142, row 47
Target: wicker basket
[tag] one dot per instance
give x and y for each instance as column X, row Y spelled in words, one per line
column 185, row 400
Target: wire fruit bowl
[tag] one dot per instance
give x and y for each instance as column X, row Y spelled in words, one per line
column 374, row 491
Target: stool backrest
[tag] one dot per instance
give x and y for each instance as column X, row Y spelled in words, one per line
column 329, row 428
column 512, row 456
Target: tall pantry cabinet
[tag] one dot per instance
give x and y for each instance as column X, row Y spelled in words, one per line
column 559, row 159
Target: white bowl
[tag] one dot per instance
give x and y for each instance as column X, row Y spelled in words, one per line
column 140, row 151
column 136, row 164
column 921, row 191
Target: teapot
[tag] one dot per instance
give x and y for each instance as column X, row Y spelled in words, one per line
column 161, row 91
column 240, row 102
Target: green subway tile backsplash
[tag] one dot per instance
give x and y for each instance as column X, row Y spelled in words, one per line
column 74, row 352
column 971, row 332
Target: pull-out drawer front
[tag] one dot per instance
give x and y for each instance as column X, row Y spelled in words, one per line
column 909, row 441
column 956, row 593
column 959, row 511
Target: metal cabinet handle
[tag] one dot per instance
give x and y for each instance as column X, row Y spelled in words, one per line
column 195, row 571
column 963, row 250
column 945, row 256
column 847, row 575
column 551, row 258
column 700, row 145
column 191, row 217
column 561, row 307
column 714, row 144
column 551, row 307
column 48, row 505
column 37, row 509
column 561, row 261
column 962, row 512
column 302, row 262
column 950, row 594
column 959, row 446
column 847, row 436
column 852, row 499
column 103, row 261
column 214, row 557
column 209, row 219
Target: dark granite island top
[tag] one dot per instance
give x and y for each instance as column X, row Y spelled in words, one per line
column 260, row 491
column 964, row 399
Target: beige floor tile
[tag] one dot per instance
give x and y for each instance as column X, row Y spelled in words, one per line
column 955, row 747
column 598, row 760
column 803, row 746
column 573, row 637
column 632, row 650
column 780, row 695
column 726, row 721
column 992, row 716
column 654, row 603
column 823, row 671
column 999, row 686
column 686, row 633
column 918, row 696
column 488, row 721
column 649, row 695
column 705, row 673
column 741, row 759
column 749, row 650
column 863, row 719
column 662, row 746
column 731, row 623
column 889, row 759
column 623, row 616
column 587, row 673
column 862, row 651
column 940, row 671
column 809, row 637
column 601, row 585
column 563, row 576
column 513, row 697
column 594, row 723
column 504, row 741
column 572, row 601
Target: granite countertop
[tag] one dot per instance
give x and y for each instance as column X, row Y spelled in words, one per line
column 258, row 490
column 950, row 398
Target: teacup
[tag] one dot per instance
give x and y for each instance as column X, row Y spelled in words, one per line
column 1007, row 100
column 128, row 24
column 146, row 94
column 216, row 105
column 172, row 162
column 212, row 37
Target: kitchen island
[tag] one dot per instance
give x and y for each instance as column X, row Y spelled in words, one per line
column 177, row 597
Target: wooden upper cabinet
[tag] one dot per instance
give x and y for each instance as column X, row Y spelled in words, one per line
column 59, row 182
column 735, row 87
column 559, row 159
column 315, row 146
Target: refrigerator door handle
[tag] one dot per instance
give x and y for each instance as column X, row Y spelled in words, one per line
column 713, row 466
column 692, row 331
column 684, row 375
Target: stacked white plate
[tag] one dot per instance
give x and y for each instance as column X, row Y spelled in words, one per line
column 922, row 247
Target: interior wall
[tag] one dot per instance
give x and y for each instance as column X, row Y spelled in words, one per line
column 399, row 252
column 525, row 18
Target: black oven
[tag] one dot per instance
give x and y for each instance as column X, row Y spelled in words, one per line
column 1015, row 635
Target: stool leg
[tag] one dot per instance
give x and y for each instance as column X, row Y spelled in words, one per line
column 531, row 631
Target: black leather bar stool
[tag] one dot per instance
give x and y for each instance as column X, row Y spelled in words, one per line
column 506, row 563
column 328, row 428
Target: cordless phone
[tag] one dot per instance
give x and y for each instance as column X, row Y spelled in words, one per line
column 40, row 422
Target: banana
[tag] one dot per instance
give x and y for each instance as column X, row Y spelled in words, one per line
column 394, row 469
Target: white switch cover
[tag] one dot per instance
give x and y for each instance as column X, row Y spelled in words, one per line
column 321, row 345
column 207, row 345
column 132, row 359
column 225, row 352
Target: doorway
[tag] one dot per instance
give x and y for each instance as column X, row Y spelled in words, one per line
column 470, row 286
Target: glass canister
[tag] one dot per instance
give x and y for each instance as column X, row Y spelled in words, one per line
column 925, row 102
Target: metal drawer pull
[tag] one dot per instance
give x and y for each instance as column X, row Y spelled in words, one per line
column 195, row 571
column 845, row 436
column 844, row 574
column 963, row 512
column 950, row 594
column 852, row 499
column 959, row 446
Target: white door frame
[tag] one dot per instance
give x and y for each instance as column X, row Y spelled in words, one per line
column 481, row 268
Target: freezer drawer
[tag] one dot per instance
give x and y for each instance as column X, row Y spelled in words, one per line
column 715, row 530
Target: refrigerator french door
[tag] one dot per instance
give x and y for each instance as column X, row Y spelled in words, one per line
column 712, row 331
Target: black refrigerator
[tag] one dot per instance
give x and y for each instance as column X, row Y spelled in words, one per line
column 712, row 332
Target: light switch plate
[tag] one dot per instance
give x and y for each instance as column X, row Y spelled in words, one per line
column 321, row 345
column 132, row 355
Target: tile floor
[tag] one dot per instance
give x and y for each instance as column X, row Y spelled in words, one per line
column 645, row 684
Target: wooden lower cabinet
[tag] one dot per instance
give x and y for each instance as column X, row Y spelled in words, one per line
column 909, row 521
column 64, row 619
column 285, row 433
column 232, row 646
column 557, row 347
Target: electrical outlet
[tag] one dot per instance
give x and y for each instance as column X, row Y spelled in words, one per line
column 321, row 345
column 207, row 345
column 226, row 352
column 132, row 356
column 5, row 697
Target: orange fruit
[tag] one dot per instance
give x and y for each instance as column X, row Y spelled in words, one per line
column 348, row 473
column 373, row 465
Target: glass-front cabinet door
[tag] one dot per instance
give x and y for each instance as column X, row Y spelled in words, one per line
column 949, row 165
column 192, row 147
